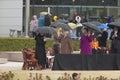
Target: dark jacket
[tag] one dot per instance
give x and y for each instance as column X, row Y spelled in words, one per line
column 103, row 39
column 40, row 49
column 115, row 45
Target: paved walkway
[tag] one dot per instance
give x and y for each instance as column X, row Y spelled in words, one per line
column 15, row 65
column 11, row 66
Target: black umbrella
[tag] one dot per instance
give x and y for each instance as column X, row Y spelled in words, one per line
column 114, row 24
column 55, row 24
column 96, row 23
column 64, row 26
column 94, row 17
column 62, row 21
column 91, row 26
column 64, row 16
column 44, row 30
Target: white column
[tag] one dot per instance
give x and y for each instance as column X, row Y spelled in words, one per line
column 27, row 14
column 108, row 11
column 49, row 10
column 118, row 2
column 119, row 9
column 98, row 12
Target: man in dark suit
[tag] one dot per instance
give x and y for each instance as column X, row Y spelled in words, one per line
column 115, row 37
column 102, row 38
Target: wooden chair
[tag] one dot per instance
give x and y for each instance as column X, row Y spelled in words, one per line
column 30, row 62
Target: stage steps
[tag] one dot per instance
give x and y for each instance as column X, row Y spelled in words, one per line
column 15, row 56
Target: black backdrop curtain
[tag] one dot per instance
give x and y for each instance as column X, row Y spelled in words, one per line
column 87, row 62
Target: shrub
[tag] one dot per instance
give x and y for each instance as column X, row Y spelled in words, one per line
column 17, row 44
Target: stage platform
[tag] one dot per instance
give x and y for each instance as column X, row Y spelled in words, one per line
column 87, row 62
column 57, row 75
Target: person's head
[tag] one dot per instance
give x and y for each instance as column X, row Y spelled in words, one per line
column 33, row 78
column 76, row 76
column 94, row 39
column 34, row 17
column 116, row 28
column 85, row 30
column 55, row 18
column 83, row 17
column 40, row 35
column 112, row 16
column 105, row 29
column 48, row 78
column 75, row 13
column 54, row 33
column 64, row 33
column 71, row 31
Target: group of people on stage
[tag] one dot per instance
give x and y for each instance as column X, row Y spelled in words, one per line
column 63, row 44
column 92, row 44
column 89, row 43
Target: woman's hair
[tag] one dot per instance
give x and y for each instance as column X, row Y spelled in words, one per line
column 94, row 37
column 86, row 29
column 74, row 75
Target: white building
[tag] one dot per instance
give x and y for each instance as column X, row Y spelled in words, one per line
column 11, row 12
